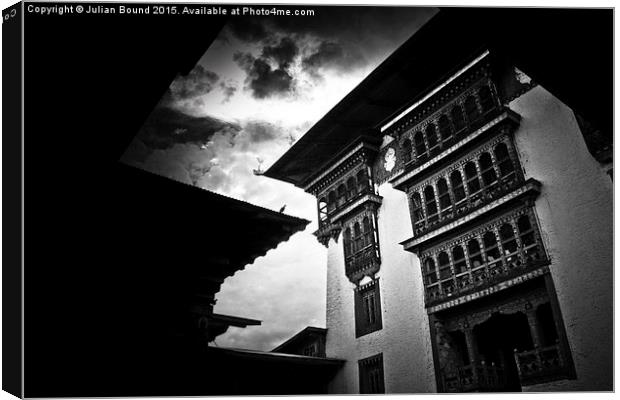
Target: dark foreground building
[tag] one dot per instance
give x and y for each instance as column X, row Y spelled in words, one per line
column 464, row 193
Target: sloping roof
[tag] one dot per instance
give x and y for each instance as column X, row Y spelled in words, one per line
column 544, row 43
column 300, row 336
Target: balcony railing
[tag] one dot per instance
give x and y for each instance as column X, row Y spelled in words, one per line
column 471, row 203
column 361, row 261
column 541, row 365
column 342, row 203
column 488, row 274
column 475, row 378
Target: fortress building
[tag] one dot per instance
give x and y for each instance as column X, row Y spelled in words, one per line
column 467, row 211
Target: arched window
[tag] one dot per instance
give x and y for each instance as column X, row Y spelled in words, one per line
column 362, row 181
column 444, row 265
column 509, row 242
column 458, row 256
column 457, row 185
column 420, row 146
column 429, row 269
column 406, row 148
column 528, row 240
column 444, row 196
column 503, row 160
column 357, row 238
column 431, row 205
column 486, row 169
column 471, row 109
column 367, row 232
column 331, row 201
column 348, row 243
column 457, row 118
column 322, row 209
column 475, row 257
column 351, row 188
column 342, row 194
column 490, row 247
column 418, row 213
column 445, row 130
column 486, row 99
column 473, row 184
column 431, row 137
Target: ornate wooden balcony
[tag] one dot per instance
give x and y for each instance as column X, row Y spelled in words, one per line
column 475, row 378
column 541, row 365
column 484, row 279
column 364, row 262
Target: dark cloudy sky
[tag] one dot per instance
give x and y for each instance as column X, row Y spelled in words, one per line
column 259, row 87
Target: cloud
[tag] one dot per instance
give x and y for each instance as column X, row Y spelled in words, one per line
column 262, row 80
column 167, row 126
column 247, row 29
column 332, row 55
column 282, row 53
column 229, row 87
column 197, row 83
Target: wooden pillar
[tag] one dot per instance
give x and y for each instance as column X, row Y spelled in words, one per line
column 534, row 327
column 472, row 351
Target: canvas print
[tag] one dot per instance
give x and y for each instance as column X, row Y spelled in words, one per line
column 364, row 200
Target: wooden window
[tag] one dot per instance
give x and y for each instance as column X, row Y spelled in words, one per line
column 430, row 271
column 348, row 243
column 351, row 188
column 471, row 174
column 342, row 194
column 444, row 265
column 471, row 109
column 406, row 148
column 431, row 205
column 458, row 255
column 509, row 242
column 528, row 239
column 418, row 213
column 475, row 256
column 367, row 309
column 444, row 195
column 490, row 248
column 445, row 130
column 322, row 210
column 431, row 137
column 503, row 160
column 420, row 146
column 357, row 238
column 367, row 232
column 486, row 169
column 486, row 99
column 362, row 181
column 331, row 201
column 371, row 375
column 457, row 186
column 457, row 118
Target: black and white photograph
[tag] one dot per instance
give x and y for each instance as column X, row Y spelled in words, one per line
column 208, row 199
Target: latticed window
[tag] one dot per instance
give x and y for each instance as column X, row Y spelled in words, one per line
column 418, row 213
column 490, row 247
column 458, row 256
column 503, row 160
column 475, row 255
column 457, row 118
column 430, row 271
column 371, row 375
column 342, row 195
column 444, row 195
column 420, row 146
column 331, row 201
column 486, row 169
column 507, row 236
column 367, row 309
column 367, row 232
column 431, row 205
column 322, row 210
column 486, row 98
column 362, row 181
column 445, row 130
column 357, row 238
column 351, row 188
column 528, row 238
column 431, row 137
column 406, row 147
column 348, row 243
column 457, row 186
column 444, row 265
column 471, row 109
column 471, row 174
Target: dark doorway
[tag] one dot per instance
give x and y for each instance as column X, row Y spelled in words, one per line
column 497, row 338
